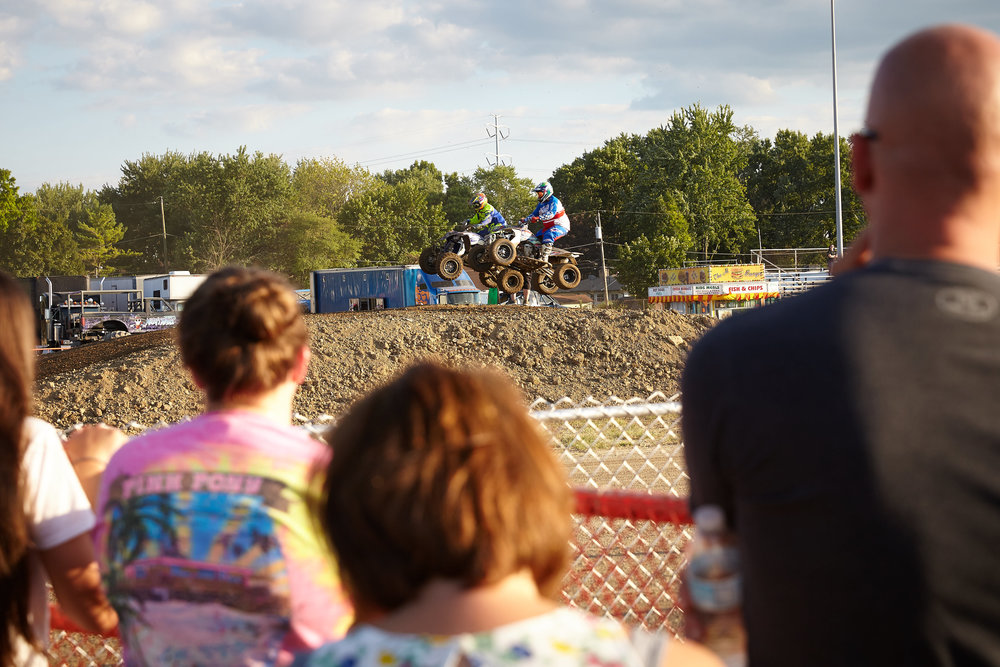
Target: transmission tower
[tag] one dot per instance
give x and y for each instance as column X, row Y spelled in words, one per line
column 498, row 132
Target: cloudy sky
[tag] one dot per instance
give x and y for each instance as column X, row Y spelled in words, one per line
column 86, row 85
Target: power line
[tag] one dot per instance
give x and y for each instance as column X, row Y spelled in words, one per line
column 448, row 148
column 549, row 141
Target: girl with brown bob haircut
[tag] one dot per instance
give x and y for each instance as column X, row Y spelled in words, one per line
column 443, row 475
column 450, row 518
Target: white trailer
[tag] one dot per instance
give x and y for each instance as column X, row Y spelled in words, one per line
column 168, row 292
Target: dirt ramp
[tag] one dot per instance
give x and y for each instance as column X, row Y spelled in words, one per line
column 549, row 352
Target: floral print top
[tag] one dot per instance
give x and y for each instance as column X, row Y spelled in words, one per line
column 559, row 638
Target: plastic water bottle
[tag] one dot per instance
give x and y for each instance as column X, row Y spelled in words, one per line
column 714, row 585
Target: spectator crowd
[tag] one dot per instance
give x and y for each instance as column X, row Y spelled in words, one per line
column 431, row 524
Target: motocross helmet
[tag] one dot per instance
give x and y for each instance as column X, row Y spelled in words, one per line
column 543, row 190
column 478, row 202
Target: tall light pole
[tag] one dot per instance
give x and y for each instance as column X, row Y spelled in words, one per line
column 836, row 134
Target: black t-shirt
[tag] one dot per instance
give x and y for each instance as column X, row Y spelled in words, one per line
column 852, row 435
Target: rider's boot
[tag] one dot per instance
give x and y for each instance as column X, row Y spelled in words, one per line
column 546, row 250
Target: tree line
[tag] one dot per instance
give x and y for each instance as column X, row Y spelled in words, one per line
column 697, row 188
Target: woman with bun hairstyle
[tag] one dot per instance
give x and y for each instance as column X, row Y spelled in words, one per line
column 45, row 517
column 210, row 553
column 450, row 517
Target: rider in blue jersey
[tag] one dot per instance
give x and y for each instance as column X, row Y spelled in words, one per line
column 552, row 215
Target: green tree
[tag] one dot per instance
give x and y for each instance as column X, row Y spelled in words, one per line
column 392, row 222
column 791, row 185
column 700, row 155
column 92, row 226
column 505, row 191
column 96, row 237
column 217, row 210
column 21, row 248
column 240, row 202
column 421, row 174
column 310, row 242
column 642, row 258
column 458, row 192
column 323, row 186
column 153, row 225
column 599, row 183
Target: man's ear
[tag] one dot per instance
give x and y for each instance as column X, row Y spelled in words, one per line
column 861, row 165
column 301, row 365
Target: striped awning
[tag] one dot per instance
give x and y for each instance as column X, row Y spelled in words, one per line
column 705, row 298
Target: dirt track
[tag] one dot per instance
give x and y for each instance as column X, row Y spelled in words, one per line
column 550, row 352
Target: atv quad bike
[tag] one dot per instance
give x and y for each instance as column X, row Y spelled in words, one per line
column 498, row 248
column 445, row 259
column 559, row 272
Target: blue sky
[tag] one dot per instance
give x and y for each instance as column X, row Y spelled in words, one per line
column 86, row 85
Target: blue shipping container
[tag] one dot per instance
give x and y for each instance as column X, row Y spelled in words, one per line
column 377, row 288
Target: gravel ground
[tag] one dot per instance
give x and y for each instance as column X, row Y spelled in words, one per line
column 550, row 353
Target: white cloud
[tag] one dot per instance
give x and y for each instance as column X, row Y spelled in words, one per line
column 129, row 17
column 245, row 120
column 206, row 64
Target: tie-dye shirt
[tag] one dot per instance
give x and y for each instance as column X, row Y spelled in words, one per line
column 562, row 638
column 209, row 552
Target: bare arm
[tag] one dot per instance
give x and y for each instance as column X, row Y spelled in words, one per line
column 690, row 654
column 89, row 449
column 76, row 580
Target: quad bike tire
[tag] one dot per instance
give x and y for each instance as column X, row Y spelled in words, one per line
column 488, row 278
column 510, row 281
column 478, row 259
column 449, row 266
column 426, row 261
column 502, row 252
column 544, row 284
column 567, row 275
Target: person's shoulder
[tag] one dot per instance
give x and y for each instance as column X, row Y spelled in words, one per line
column 42, row 441
column 39, row 429
column 363, row 641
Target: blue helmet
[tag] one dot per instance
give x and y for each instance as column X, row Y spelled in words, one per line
column 543, row 190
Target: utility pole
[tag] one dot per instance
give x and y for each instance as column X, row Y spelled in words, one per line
column 499, row 132
column 836, row 136
column 163, row 219
column 604, row 269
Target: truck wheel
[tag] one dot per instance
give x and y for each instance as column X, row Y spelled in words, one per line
column 567, row 275
column 502, row 252
column 478, row 259
column 426, row 260
column 544, row 284
column 111, row 335
column 488, row 278
column 449, row 266
column 511, row 281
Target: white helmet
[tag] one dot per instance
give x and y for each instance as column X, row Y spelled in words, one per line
column 543, row 190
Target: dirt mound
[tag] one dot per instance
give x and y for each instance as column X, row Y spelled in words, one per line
column 550, row 352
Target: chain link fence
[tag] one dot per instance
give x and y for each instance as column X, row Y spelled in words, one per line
column 625, row 460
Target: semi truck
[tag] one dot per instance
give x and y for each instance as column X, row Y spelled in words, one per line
column 378, row 288
column 71, row 312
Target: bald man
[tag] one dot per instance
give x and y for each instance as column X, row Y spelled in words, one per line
column 852, row 434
